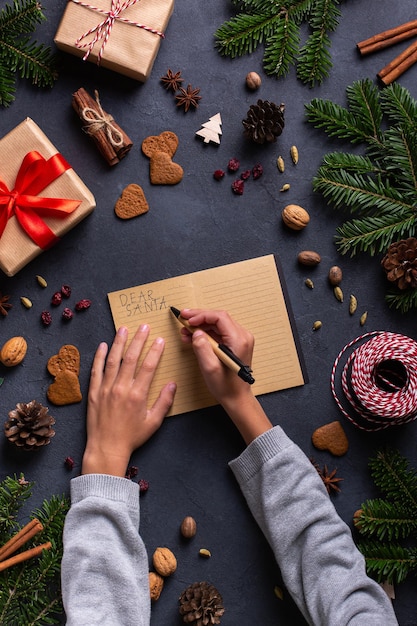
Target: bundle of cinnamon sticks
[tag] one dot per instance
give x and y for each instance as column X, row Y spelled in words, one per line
column 110, row 139
column 400, row 63
column 31, row 529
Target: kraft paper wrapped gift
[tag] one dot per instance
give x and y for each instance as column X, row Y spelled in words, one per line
column 127, row 44
column 67, row 193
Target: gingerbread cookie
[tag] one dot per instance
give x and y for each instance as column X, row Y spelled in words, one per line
column 160, row 149
column 331, row 437
column 131, row 203
column 165, row 142
column 65, row 367
column 163, row 171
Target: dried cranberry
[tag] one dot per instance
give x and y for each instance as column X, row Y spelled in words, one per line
column 257, row 171
column 245, row 175
column 56, row 298
column 143, row 485
column 238, row 186
column 67, row 314
column 233, row 165
column 46, row 318
column 131, row 471
column 69, row 462
column 66, row 291
column 218, row 174
column 82, row 305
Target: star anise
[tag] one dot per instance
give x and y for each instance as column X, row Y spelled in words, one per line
column 188, row 97
column 329, row 479
column 4, row 304
column 171, row 81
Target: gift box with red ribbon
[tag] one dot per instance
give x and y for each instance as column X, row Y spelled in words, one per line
column 41, row 197
column 121, row 35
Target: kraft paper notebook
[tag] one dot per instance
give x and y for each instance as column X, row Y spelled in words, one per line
column 251, row 291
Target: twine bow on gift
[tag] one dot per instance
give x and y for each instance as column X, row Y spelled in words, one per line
column 103, row 29
column 34, row 175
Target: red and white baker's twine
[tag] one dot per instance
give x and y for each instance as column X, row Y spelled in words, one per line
column 379, row 380
column 103, row 29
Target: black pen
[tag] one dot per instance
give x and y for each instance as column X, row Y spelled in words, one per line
column 225, row 355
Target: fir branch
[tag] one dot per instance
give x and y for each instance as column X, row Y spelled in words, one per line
column 394, row 476
column 382, row 521
column 386, row 520
column 379, row 187
column 30, row 591
column 18, row 54
column 278, row 26
column 401, row 301
column 392, row 563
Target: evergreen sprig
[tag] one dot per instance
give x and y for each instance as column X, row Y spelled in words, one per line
column 384, row 522
column 30, row 591
column 18, row 53
column 379, row 187
column 277, row 26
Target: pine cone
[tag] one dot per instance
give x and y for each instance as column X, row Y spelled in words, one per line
column 201, row 604
column 29, row 425
column 264, row 122
column 400, row 263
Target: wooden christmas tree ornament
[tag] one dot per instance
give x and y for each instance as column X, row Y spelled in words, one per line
column 211, row 130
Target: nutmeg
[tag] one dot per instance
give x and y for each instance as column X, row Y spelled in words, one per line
column 164, row 561
column 156, row 584
column 309, row 257
column 335, row 275
column 295, row 217
column 188, row 527
column 14, row 351
column 253, row 81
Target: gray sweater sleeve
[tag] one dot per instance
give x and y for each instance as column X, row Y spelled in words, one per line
column 320, row 564
column 105, row 566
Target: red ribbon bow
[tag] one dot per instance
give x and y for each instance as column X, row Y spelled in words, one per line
column 23, row 201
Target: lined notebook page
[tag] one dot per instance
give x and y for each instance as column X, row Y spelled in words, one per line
column 250, row 291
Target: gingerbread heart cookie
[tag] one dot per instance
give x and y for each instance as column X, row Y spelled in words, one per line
column 65, row 367
column 163, row 170
column 131, row 203
column 167, row 142
column 331, row 437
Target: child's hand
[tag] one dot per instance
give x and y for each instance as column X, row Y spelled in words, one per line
column 118, row 417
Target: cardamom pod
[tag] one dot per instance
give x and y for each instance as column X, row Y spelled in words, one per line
column 309, row 283
column 285, row 187
column 353, row 304
column 278, row 592
column 280, row 164
column 317, row 324
column 294, row 154
column 363, row 318
column 26, row 302
column 338, row 293
column 41, row 281
column 204, row 552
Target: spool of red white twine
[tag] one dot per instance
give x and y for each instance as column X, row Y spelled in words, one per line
column 379, row 380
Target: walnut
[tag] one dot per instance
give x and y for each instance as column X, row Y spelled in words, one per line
column 164, row 561
column 156, row 584
column 14, row 351
column 295, row 217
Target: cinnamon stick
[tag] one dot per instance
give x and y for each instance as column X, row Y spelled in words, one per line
column 109, row 137
column 399, row 65
column 24, row 556
column 388, row 38
column 31, row 529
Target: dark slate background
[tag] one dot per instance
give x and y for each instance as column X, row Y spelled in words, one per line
column 198, row 224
